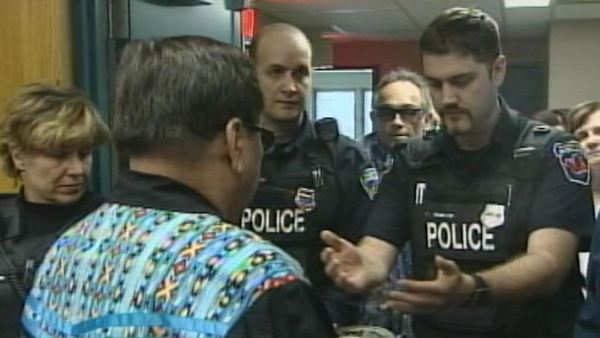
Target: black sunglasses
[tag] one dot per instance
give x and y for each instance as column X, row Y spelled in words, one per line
column 267, row 137
column 389, row 112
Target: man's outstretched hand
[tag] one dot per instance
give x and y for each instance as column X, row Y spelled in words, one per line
column 344, row 263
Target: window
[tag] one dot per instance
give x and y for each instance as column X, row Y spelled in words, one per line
column 344, row 94
column 339, row 105
column 367, row 106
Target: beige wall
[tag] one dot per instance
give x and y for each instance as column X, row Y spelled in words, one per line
column 574, row 63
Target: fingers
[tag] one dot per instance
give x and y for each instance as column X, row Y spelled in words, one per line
column 412, row 303
column 342, row 277
column 342, row 262
column 415, row 302
column 334, row 243
column 332, row 264
column 446, row 266
column 428, row 296
column 332, row 240
column 418, row 286
column 446, row 281
column 327, row 255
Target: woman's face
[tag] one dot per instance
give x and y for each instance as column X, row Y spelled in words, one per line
column 588, row 135
column 56, row 178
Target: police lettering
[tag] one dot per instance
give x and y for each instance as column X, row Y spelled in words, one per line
column 462, row 236
column 276, row 221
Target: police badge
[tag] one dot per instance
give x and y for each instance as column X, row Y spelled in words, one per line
column 369, row 180
column 492, row 216
column 305, row 199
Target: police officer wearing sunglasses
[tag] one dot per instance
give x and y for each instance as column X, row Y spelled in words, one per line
column 311, row 180
column 402, row 109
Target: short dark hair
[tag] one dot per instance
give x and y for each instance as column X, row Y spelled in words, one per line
column 172, row 92
column 403, row 74
column 467, row 31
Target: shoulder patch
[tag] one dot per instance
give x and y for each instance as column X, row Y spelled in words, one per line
column 369, row 180
column 572, row 161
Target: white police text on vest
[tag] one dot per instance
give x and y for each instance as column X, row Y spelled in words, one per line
column 459, row 236
column 274, row 220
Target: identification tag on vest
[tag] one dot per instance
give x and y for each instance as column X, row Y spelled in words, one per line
column 470, row 231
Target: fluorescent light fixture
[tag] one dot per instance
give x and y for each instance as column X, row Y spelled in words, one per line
column 350, row 11
column 338, row 29
column 526, row 3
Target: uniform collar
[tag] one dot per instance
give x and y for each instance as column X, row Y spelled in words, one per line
column 159, row 192
column 305, row 133
column 505, row 135
column 379, row 154
column 374, row 145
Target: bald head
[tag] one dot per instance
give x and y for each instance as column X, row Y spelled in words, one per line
column 277, row 32
column 282, row 58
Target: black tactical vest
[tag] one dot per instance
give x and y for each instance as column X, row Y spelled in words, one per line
column 479, row 223
column 296, row 199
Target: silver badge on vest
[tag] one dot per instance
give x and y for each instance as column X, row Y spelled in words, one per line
column 305, row 199
column 493, row 215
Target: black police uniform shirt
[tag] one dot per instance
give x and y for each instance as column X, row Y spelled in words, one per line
column 373, row 313
column 478, row 208
column 307, row 186
column 284, row 308
column 588, row 324
column 25, row 242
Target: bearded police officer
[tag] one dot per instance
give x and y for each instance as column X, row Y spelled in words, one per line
column 494, row 205
column 311, row 180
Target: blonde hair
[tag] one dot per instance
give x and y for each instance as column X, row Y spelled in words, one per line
column 49, row 119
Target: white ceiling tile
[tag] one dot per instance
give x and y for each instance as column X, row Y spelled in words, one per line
column 425, row 11
column 409, row 17
column 393, row 19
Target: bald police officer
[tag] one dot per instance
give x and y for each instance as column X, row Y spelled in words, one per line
column 311, row 180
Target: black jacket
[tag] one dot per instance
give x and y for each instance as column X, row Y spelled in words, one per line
column 26, row 231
